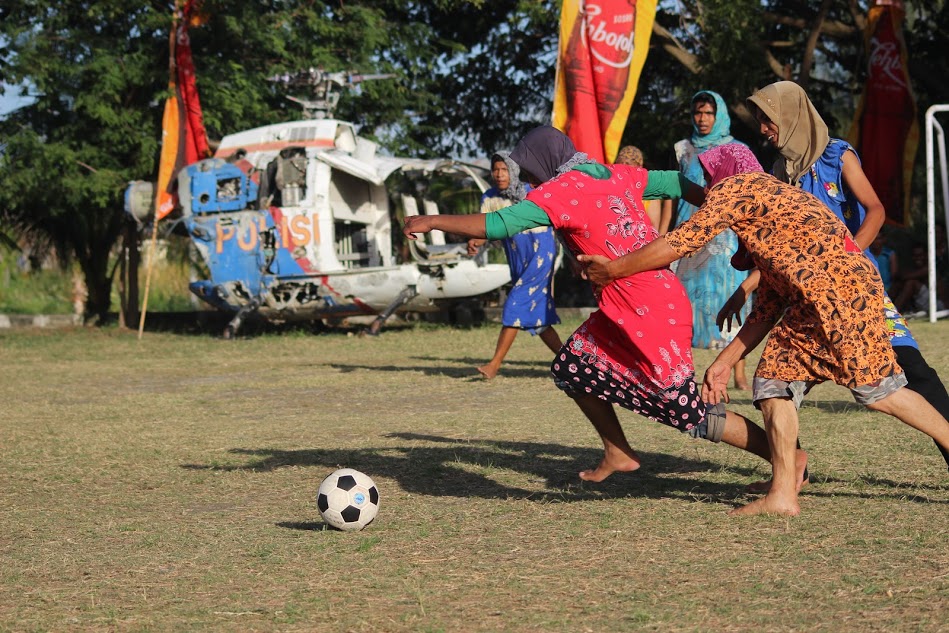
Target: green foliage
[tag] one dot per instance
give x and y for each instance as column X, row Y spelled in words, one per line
column 99, row 73
column 471, row 77
column 45, row 291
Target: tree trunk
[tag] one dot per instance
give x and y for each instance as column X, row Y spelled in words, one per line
column 100, row 300
column 128, row 276
column 99, row 286
column 808, row 59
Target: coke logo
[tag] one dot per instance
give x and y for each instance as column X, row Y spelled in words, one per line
column 885, row 60
column 609, row 32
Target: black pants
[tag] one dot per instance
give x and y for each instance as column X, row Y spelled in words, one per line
column 924, row 380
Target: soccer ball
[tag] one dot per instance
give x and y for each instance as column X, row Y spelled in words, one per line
column 348, row 499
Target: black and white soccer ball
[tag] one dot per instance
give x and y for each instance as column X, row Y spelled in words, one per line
column 348, row 499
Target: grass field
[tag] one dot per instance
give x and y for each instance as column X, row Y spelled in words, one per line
column 169, row 484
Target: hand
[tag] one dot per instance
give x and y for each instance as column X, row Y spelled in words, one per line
column 416, row 224
column 742, row 259
column 715, row 385
column 576, row 268
column 475, row 244
column 596, row 270
column 732, row 309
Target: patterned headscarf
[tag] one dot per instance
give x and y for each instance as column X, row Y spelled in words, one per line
column 727, row 160
column 545, row 152
column 721, row 129
column 516, row 190
column 802, row 133
column 630, row 155
column 720, row 163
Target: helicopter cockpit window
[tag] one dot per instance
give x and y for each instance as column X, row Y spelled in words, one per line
column 228, row 189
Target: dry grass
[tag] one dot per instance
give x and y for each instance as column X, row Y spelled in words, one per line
column 169, row 484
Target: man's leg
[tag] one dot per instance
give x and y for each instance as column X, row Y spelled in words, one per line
column 912, row 409
column 742, row 433
column 924, row 380
column 618, row 455
column 781, row 425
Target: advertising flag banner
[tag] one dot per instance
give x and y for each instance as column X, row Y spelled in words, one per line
column 885, row 130
column 169, row 161
column 184, row 139
column 603, row 46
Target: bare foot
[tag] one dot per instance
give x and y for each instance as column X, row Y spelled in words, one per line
column 742, row 385
column 487, row 371
column 800, row 468
column 769, row 504
column 614, row 461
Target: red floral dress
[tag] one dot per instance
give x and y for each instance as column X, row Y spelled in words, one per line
column 636, row 349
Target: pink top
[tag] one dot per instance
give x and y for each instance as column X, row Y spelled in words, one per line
column 643, row 328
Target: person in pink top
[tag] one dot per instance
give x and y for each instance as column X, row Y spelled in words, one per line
column 635, row 351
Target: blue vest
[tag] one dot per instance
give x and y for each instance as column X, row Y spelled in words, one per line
column 825, row 179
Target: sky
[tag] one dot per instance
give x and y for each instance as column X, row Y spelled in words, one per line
column 9, row 99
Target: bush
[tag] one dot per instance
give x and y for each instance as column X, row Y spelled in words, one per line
column 51, row 290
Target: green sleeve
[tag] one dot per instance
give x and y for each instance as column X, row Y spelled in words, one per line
column 514, row 219
column 664, row 184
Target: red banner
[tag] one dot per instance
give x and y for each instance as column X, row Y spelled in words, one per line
column 603, row 46
column 885, row 130
column 184, row 139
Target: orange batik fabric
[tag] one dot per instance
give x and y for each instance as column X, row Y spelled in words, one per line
column 823, row 295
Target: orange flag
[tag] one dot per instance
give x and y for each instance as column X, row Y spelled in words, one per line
column 885, row 130
column 603, row 46
column 184, row 139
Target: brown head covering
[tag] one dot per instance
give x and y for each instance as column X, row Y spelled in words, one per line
column 802, row 133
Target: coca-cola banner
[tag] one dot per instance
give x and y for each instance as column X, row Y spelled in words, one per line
column 603, row 46
column 885, row 130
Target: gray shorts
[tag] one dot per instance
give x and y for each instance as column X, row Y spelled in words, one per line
column 765, row 388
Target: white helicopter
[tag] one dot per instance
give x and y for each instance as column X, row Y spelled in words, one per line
column 294, row 221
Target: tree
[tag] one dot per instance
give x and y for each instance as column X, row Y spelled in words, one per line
column 67, row 156
column 98, row 72
column 472, row 76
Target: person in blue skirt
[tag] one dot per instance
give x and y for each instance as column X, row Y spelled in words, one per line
column 531, row 256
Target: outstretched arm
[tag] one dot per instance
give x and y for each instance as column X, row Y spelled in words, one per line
column 734, row 304
column 693, row 193
column 602, row 271
column 715, row 384
column 467, row 225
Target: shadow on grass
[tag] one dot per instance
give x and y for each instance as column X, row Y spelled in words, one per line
column 440, row 466
column 467, row 370
column 465, row 468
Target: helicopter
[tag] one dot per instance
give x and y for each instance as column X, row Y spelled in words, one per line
column 294, row 221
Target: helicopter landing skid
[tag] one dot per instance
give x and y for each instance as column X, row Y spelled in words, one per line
column 231, row 330
column 407, row 294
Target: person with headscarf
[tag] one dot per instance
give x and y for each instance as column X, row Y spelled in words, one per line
column 829, row 168
column 635, row 349
column 707, row 275
column 819, row 303
column 530, row 255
